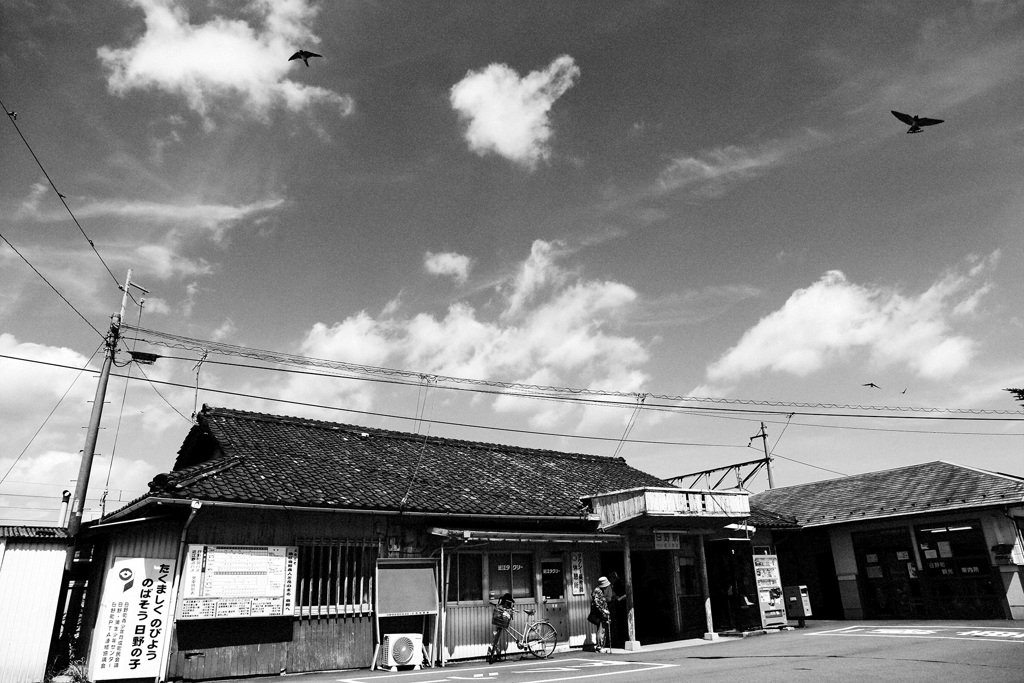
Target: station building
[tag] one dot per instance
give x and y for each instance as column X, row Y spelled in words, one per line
column 281, row 545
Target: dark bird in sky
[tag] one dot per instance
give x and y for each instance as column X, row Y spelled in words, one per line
column 915, row 122
column 13, row 115
column 872, row 385
column 61, row 196
column 304, row 55
column 904, row 391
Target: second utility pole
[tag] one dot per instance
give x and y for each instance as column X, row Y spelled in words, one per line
column 767, row 458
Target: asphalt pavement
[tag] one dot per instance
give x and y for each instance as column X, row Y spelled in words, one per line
column 840, row 651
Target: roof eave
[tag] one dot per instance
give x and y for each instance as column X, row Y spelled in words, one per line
column 162, row 500
column 912, row 513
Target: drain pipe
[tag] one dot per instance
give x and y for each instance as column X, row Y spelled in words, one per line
column 172, row 605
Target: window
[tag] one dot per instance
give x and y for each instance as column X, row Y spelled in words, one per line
column 466, row 578
column 511, row 573
column 335, row 577
column 953, row 549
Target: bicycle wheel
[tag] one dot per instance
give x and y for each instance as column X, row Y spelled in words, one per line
column 541, row 639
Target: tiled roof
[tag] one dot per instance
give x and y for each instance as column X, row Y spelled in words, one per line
column 760, row 518
column 47, row 533
column 916, row 489
column 233, row 455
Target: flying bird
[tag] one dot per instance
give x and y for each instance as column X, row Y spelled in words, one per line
column 304, row 55
column 871, row 384
column 13, row 115
column 915, row 122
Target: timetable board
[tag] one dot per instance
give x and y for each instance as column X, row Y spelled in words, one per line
column 232, row 581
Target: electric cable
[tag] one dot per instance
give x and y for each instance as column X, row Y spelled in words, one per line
column 59, row 195
column 36, row 270
column 50, row 414
column 154, row 337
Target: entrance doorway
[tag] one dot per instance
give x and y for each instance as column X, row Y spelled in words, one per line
column 653, row 595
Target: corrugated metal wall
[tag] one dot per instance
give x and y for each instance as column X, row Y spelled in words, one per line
column 30, row 576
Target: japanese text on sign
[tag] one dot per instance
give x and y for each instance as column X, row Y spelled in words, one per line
column 238, row 581
column 132, row 623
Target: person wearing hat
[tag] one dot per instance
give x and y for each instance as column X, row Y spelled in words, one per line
column 599, row 614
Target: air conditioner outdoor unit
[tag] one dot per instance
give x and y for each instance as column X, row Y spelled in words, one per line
column 402, row 649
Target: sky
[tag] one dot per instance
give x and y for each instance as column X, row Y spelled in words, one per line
column 703, row 214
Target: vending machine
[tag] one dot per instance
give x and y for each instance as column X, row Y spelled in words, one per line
column 769, row 591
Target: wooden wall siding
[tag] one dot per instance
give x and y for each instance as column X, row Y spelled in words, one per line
column 326, row 644
column 336, row 577
column 468, row 627
column 244, row 526
column 620, row 507
column 333, row 626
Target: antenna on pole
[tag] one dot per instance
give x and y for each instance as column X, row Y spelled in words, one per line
column 763, row 435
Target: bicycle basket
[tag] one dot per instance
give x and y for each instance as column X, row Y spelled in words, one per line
column 502, row 616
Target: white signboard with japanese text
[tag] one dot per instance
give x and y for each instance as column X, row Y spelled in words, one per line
column 579, row 586
column 133, row 619
column 230, row 581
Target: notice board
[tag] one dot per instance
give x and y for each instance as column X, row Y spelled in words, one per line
column 232, row 581
column 406, row 586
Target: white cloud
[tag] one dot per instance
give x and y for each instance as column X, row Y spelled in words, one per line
column 834, row 318
column 163, row 261
column 216, row 219
column 223, row 61
column 224, row 330
column 562, row 334
column 28, row 385
column 450, row 264
column 507, row 114
column 713, row 171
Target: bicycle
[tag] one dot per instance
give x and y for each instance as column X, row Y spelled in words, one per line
column 538, row 636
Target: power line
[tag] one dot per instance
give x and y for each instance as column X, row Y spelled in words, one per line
column 59, row 195
column 36, row 270
column 47, row 418
column 807, row 464
column 365, row 372
column 664, row 408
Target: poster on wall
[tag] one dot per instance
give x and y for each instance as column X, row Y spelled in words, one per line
column 133, row 618
column 579, row 586
column 231, row 581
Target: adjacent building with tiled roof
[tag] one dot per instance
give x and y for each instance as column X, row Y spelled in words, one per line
column 935, row 540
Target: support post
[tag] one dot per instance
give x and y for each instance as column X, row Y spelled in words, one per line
column 631, row 642
column 702, row 561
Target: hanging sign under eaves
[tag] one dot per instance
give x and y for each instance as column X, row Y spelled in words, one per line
column 231, row 581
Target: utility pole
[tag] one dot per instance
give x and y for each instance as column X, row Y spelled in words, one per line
column 763, row 435
column 60, row 639
column 82, row 485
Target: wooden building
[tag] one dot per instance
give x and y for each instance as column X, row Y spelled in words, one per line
column 318, row 517
column 929, row 541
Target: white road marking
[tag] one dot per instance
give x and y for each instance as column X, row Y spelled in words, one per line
column 942, row 632
column 574, row 669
